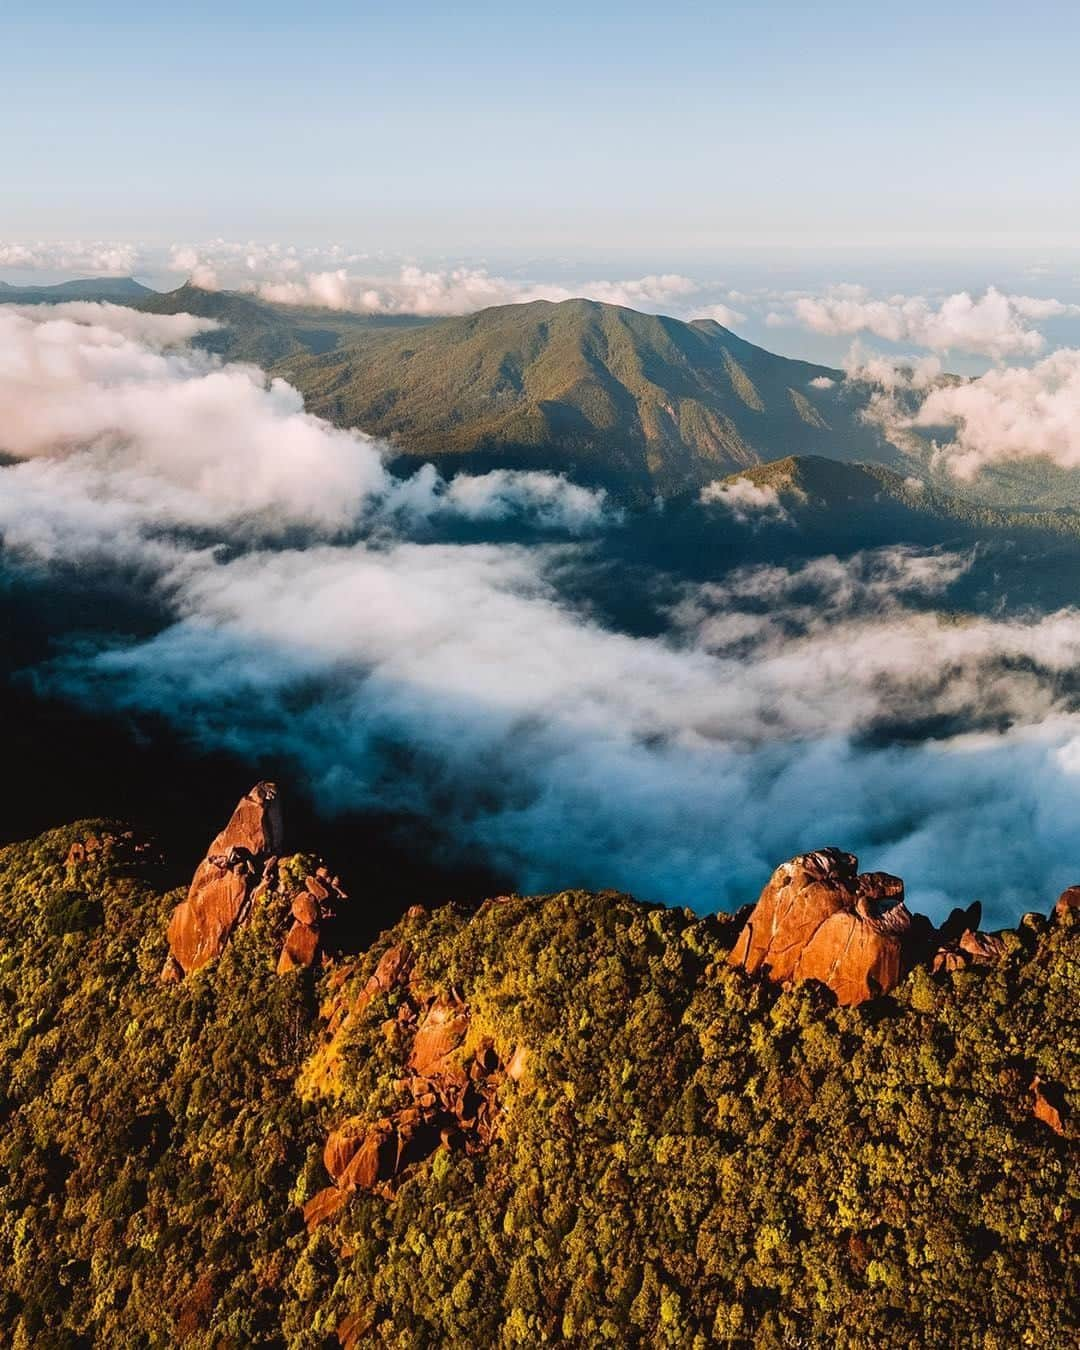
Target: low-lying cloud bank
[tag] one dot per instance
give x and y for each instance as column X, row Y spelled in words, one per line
column 116, row 417
column 460, row 290
column 82, row 257
column 309, row 618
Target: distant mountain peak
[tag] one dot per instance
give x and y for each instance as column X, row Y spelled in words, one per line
column 116, row 290
column 639, row 402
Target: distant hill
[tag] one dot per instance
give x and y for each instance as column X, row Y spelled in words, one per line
column 637, row 401
column 255, row 330
column 822, row 494
column 116, row 290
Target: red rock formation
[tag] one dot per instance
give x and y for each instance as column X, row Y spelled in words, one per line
column 852, row 958
column 305, row 909
column 393, row 969
column 439, row 1035
column 449, row 1094
column 239, row 871
column 323, row 1205
column 1049, row 1104
column 300, row 949
column 224, row 881
column 818, row 919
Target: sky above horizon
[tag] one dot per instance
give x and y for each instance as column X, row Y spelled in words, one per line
column 734, row 161
column 627, row 131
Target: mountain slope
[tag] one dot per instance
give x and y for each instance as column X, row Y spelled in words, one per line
column 676, row 1154
column 255, row 330
column 637, row 401
column 115, row 290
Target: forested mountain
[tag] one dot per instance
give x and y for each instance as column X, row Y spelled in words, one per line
column 638, row 401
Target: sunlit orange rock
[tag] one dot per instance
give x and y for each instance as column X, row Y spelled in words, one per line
column 1049, row 1104
column 393, row 969
column 217, row 900
column 819, row 919
column 300, row 949
column 323, row 1205
column 1068, row 904
column 439, row 1035
column 305, row 908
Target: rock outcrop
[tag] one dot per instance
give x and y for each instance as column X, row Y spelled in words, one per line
column 1048, row 1104
column 1068, row 905
column 241, row 870
column 448, row 1089
column 108, row 847
column 820, row 919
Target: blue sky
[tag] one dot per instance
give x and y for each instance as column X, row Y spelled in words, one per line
column 654, row 133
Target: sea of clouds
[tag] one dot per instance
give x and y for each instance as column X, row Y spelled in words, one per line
column 313, row 612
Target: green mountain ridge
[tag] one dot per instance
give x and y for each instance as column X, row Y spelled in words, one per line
column 688, row 1157
column 641, row 402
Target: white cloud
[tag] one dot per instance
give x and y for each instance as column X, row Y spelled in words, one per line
column 551, row 500
column 460, row 290
column 994, row 324
column 93, row 323
column 822, row 382
column 679, row 769
column 95, row 258
column 681, row 766
column 103, row 394
column 1009, row 414
column 333, row 278
column 746, row 500
column 891, row 373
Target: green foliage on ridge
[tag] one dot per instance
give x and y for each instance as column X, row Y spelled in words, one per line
column 692, row 1158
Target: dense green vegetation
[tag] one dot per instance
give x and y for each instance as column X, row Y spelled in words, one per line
column 692, row 1158
column 638, row 401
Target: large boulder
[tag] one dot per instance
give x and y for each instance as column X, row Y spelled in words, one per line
column 818, row 918
column 1048, row 1104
